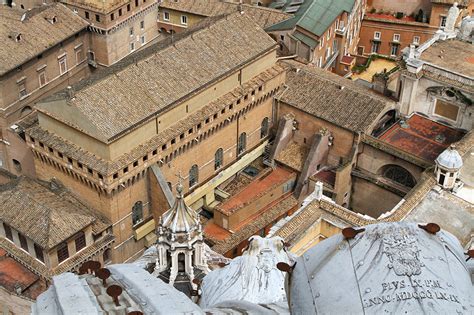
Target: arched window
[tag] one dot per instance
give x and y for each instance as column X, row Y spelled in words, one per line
column 242, row 144
column 193, row 175
column 399, row 174
column 137, row 212
column 218, row 159
column 264, row 128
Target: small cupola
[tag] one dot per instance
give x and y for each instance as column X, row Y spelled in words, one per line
column 448, row 165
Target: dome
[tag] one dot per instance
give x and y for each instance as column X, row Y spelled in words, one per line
column 388, row 268
column 180, row 218
column 450, row 159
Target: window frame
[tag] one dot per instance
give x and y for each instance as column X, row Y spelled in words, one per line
column 23, row 241
column 80, row 241
column 62, row 252
column 218, row 159
column 184, row 19
column 137, row 213
column 379, row 37
column 8, row 231
column 166, row 16
column 62, row 60
column 193, row 175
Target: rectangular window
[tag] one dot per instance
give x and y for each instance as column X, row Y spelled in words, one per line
column 394, row 50
column 22, row 89
column 142, row 39
column 79, row 56
column 442, row 21
column 184, row 19
column 8, row 231
column 63, row 252
column 112, row 17
column 375, row 47
column 377, row 35
column 86, row 14
column 136, row 3
column 39, row 252
column 396, row 37
column 416, row 40
column 166, row 16
column 142, row 25
column 63, row 65
column 120, row 12
column 97, row 18
column 42, row 78
column 80, row 241
column 132, row 46
column 128, row 7
column 321, row 43
column 23, row 241
column 130, row 32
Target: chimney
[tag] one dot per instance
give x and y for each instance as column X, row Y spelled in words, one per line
column 70, row 92
column 318, row 190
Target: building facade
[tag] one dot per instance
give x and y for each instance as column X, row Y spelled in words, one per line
column 45, row 228
column 124, row 166
column 45, row 50
column 388, row 28
column 117, row 28
column 327, row 43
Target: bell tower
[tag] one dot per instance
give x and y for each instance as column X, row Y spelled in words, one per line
column 180, row 245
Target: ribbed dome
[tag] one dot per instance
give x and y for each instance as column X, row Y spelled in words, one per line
column 450, row 159
column 180, row 218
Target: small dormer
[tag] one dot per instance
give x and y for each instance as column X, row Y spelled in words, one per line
column 52, row 19
column 448, row 165
column 16, row 36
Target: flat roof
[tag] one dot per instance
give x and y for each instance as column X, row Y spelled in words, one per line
column 454, row 55
column 14, row 274
column 253, row 190
column 421, row 137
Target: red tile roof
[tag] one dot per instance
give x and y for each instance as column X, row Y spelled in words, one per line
column 328, row 177
column 420, row 137
column 13, row 275
column 254, row 189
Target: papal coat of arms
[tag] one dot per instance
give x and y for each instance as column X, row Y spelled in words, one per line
column 400, row 248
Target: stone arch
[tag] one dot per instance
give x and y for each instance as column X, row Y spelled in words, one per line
column 398, row 174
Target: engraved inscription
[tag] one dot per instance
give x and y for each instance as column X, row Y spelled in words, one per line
column 419, row 289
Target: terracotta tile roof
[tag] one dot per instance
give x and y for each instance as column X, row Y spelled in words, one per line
column 131, row 95
column 46, row 215
column 294, row 156
column 422, row 137
column 36, row 33
column 109, row 167
column 70, row 264
column 281, row 207
column 333, row 98
column 264, row 17
column 101, row 6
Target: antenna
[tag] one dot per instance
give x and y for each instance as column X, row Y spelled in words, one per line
column 114, row 292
